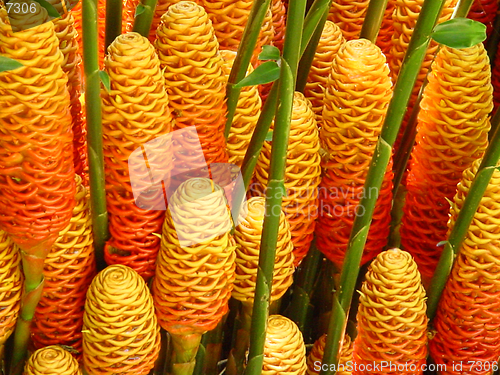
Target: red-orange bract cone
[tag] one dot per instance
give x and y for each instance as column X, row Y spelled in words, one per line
column 69, row 269
column 135, row 113
column 484, row 11
column 467, row 322
column 196, row 86
column 356, row 98
column 452, row 132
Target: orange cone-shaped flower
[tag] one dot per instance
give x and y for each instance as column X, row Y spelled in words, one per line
column 468, row 317
column 302, row 176
column 37, row 184
column 284, row 349
column 161, row 8
column 120, row 330
column 69, row 269
column 68, row 44
column 349, row 15
column 384, row 38
column 129, row 7
column 315, row 357
column 356, row 98
column 452, row 132
column 392, row 320
column 484, row 11
column 195, row 270
column 245, row 118
column 278, row 11
column 10, row 287
column 329, row 44
column 135, row 112
column 196, row 85
column 52, row 360
column 248, row 236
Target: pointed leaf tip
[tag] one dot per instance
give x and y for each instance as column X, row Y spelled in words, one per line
column 269, row 53
column 459, row 33
column 6, row 64
column 264, row 73
column 104, row 77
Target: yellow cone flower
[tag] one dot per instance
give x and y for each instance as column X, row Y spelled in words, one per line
column 37, row 185
column 315, row 357
column 302, row 175
column 245, row 117
column 52, row 360
column 68, row 271
column 196, row 85
column 349, row 15
column 392, row 320
column 135, row 112
column 10, row 287
column 120, row 330
column 452, row 132
column 356, row 98
column 329, row 44
column 284, row 349
column 195, row 270
column 467, row 322
column 248, row 235
column 266, row 37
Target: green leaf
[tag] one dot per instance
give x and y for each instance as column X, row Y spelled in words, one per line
column 269, row 136
column 139, row 10
column 459, row 33
column 49, row 8
column 7, row 64
column 105, row 80
column 269, row 53
column 265, row 73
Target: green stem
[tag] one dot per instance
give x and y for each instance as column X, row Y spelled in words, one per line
column 274, row 194
column 462, row 9
column 184, row 353
column 462, row 223
column 114, row 10
column 143, row 21
column 304, row 284
column 94, row 126
column 373, row 20
column 32, row 262
column 243, row 57
column 402, row 91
